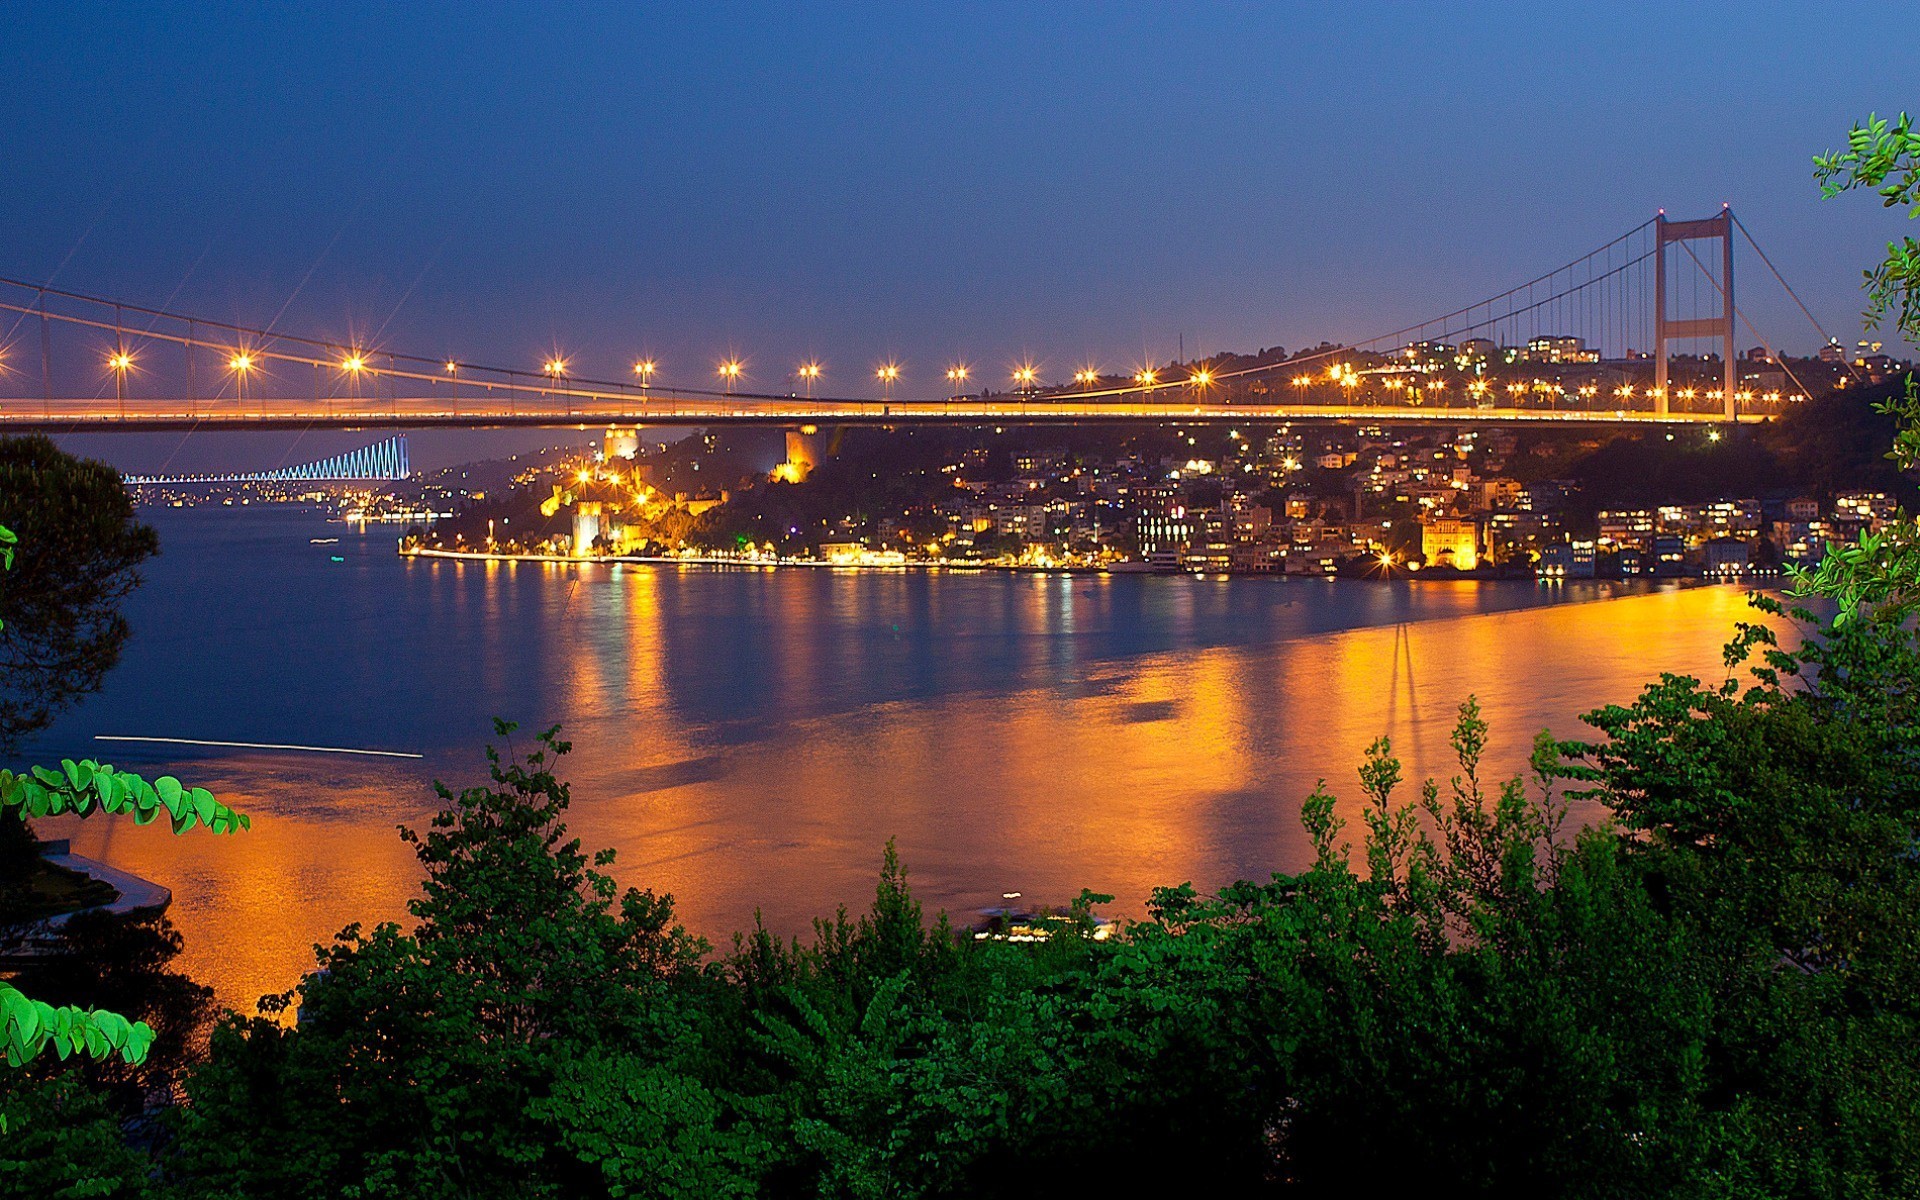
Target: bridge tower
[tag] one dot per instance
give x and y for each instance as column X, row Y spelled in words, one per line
column 1719, row 229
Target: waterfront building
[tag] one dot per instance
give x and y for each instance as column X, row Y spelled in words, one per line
column 1669, row 555
column 1727, row 556
column 1566, row 560
column 1161, row 523
column 586, row 527
column 1450, row 542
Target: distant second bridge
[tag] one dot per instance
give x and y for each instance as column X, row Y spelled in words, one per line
column 382, row 462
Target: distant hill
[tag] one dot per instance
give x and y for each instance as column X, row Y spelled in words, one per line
column 1838, row 442
column 1834, row 444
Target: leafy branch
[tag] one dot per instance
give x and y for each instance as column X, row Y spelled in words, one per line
column 87, row 787
column 28, row 1026
column 1886, row 157
column 1881, row 569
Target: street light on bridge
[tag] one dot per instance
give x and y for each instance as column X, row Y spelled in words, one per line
column 120, row 362
column 730, row 373
column 887, row 373
column 1024, row 376
column 644, row 369
column 809, row 372
column 957, row 375
column 240, row 364
column 1146, row 377
column 1086, row 377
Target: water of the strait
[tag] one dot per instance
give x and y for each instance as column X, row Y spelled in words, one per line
column 749, row 739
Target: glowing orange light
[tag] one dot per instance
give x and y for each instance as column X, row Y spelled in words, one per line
column 121, row 361
column 241, row 362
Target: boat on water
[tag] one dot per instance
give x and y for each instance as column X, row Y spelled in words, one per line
column 1008, row 923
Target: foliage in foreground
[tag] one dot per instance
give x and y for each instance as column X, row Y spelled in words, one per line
column 1882, row 568
column 1718, row 995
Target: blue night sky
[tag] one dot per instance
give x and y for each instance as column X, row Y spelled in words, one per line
column 1070, row 182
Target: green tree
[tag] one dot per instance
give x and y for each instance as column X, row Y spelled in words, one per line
column 421, row 1056
column 61, row 628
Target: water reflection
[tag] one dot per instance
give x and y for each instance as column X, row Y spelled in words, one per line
column 750, row 738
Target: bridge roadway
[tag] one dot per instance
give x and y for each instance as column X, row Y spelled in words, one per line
column 482, row 412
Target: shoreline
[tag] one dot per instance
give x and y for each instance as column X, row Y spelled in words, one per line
column 1130, row 568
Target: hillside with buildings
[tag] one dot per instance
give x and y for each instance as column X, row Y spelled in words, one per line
column 1370, row 500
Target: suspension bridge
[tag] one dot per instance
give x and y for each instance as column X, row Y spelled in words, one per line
column 382, row 462
column 1641, row 330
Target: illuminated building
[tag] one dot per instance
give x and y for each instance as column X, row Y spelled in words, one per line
column 1727, row 556
column 1629, row 527
column 586, row 527
column 1566, row 560
column 1161, row 523
column 621, row 443
column 1450, row 542
column 1669, row 555
column 1870, row 509
column 1560, row 350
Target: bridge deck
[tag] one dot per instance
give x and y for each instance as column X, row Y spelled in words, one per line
column 95, row 416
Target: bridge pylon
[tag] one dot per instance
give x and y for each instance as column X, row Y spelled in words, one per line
column 1718, row 228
